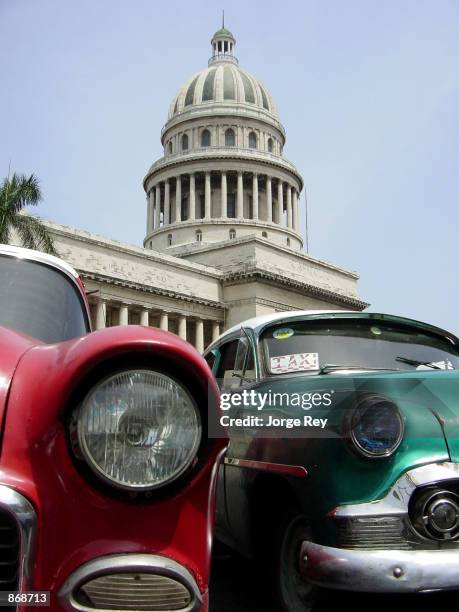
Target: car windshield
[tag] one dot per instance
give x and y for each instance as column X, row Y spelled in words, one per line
column 40, row 301
column 323, row 346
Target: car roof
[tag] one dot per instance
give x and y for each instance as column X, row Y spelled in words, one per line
column 257, row 324
column 40, row 257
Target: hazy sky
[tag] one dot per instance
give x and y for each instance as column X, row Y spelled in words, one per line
column 368, row 93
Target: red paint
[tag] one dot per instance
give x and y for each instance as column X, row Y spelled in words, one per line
column 77, row 522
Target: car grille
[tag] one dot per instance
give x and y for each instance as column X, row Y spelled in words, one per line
column 139, row 592
column 9, row 553
column 375, row 533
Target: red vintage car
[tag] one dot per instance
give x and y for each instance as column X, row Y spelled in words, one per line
column 107, row 474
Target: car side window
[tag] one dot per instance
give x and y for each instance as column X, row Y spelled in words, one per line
column 225, row 370
column 244, row 367
column 236, row 363
column 210, row 358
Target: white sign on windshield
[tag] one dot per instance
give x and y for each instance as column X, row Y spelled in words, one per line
column 297, row 362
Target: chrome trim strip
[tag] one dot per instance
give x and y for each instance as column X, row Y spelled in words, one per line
column 383, row 571
column 154, row 564
column 26, row 519
column 264, row 466
column 395, row 502
column 212, row 500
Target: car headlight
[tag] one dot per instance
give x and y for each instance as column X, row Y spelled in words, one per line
column 139, row 429
column 376, row 427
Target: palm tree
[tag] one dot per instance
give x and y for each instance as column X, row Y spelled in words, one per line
column 16, row 193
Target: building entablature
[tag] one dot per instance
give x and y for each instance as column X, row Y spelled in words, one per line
column 230, row 159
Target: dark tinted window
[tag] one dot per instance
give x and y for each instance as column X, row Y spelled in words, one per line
column 40, row 301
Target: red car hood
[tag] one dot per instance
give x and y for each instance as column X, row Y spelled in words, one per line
column 12, row 348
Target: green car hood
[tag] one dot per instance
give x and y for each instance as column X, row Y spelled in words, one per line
column 428, row 402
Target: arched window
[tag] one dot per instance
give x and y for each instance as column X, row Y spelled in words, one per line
column 169, row 240
column 169, row 147
column 264, row 234
column 230, row 138
column 270, row 145
column 232, row 234
column 184, row 142
column 252, row 140
column 198, row 236
column 205, row 138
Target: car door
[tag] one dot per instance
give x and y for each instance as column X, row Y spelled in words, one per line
column 235, row 370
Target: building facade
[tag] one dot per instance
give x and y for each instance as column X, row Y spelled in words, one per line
column 223, row 239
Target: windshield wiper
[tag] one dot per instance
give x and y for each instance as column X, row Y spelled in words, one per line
column 416, row 362
column 331, row 367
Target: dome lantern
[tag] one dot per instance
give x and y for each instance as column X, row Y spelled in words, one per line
column 223, row 43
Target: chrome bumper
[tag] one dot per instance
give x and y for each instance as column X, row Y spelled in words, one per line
column 379, row 571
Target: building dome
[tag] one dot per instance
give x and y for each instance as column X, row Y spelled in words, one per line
column 226, row 83
column 223, row 175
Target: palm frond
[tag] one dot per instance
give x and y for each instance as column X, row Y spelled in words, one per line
column 33, row 234
column 19, row 191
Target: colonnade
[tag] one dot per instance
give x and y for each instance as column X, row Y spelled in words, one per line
column 279, row 197
column 164, row 317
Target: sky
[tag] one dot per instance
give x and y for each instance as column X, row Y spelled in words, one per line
column 368, row 93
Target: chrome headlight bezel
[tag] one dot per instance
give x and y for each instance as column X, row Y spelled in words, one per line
column 83, row 453
column 370, row 402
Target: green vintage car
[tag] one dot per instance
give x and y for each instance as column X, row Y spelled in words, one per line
column 343, row 465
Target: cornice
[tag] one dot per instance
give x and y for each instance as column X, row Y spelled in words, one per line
column 109, row 280
column 212, row 154
column 233, row 278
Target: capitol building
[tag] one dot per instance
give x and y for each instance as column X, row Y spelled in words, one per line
column 222, row 240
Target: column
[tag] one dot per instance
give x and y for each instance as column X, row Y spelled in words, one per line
column 207, row 197
column 239, row 197
column 164, row 321
column 167, row 202
column 157, row 205
column 192, row 196
column 269, row 198
column 296, row 214
column 144, row 320
column 182, row 327
column 224, row 203
column 124, row 315
column 255, row 196
column 101, row 311
column 289, row 207
column 280, row 202
column 199, row 343
column 150, row 210
column 178, row 199
column 215, row 330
